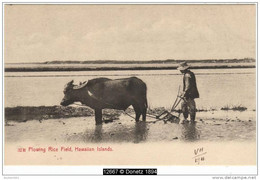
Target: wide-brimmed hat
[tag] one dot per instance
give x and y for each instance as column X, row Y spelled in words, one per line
column 183, row 66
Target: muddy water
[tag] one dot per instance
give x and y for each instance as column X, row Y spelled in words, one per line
column 78, row 130
column 218, row 88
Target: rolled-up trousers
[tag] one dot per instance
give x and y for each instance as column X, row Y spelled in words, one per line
column 188, row 106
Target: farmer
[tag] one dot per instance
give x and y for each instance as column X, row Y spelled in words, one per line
column 190, row 92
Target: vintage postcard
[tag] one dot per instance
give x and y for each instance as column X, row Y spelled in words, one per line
column 154, row 87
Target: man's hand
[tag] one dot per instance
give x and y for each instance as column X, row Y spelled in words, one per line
column 182, row 95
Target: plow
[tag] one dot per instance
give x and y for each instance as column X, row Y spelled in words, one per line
column 172, row 116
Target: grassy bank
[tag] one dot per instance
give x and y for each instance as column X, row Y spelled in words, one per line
column 24, row 113
column 234, row 108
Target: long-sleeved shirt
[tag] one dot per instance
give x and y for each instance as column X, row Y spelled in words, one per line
column 190, row 86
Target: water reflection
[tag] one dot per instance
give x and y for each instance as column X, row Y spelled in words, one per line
column 136, row 133
column 140, row 133
column 190, row 132
column 97, row 135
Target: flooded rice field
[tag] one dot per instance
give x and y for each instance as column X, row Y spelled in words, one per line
column 218, row 88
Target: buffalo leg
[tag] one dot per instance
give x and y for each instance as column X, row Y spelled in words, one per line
column 98, row 116
column 140, row 110
column 137, row 116
column 137, row 112
column 144, row 113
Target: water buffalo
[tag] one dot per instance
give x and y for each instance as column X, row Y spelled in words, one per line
column 101, row 93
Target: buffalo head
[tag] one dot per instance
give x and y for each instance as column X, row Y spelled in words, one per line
column 69, row 95
column 73, row 93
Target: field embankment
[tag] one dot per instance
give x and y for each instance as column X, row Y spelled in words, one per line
column 24, row 113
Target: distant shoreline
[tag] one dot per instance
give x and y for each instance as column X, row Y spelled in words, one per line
column 111, row 65
column 167, row 61
column 118, row 69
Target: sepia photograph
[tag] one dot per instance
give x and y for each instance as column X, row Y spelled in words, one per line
column 130, row 85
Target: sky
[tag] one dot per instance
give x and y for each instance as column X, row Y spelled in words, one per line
column 39, row 33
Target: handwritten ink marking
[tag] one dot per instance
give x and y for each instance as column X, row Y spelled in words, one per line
column 199, row 155
column 198, row 150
